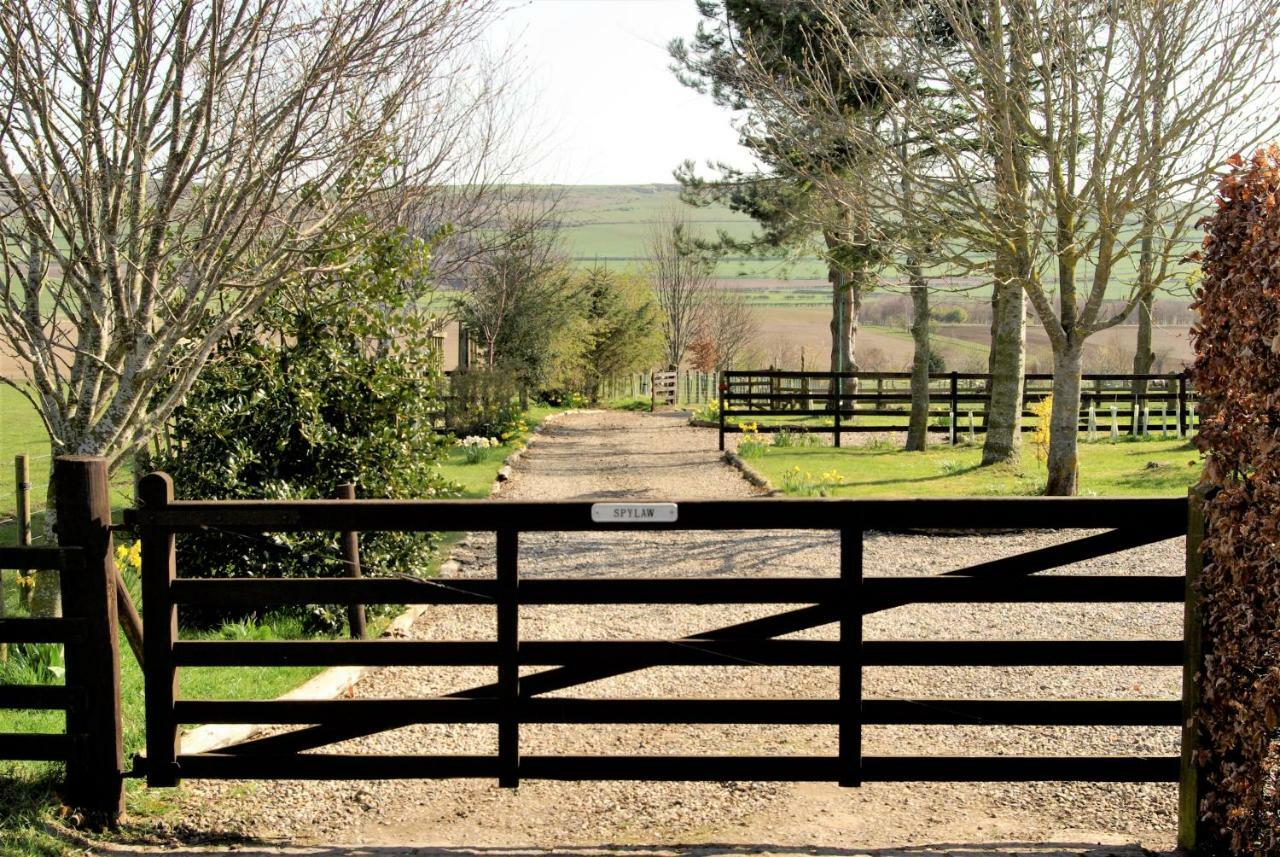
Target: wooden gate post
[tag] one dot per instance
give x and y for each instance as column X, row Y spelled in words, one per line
column 351, row 560
column 1189, row 772
column 159, row 568
column 95, row 768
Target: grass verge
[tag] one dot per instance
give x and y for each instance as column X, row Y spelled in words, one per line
column 1138, row 468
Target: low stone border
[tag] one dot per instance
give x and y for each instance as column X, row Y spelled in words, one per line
column 755, row 477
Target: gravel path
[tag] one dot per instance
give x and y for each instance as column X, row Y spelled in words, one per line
column 598, row 455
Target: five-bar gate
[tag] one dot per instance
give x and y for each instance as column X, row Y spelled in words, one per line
column 842, row 597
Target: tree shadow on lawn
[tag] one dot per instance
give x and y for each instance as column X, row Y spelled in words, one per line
column 248, row 848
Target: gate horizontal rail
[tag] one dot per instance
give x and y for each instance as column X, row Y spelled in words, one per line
column 814, row 712
column 691, row 652
column 1162, row 515
column 513, row 700
column 779, row 590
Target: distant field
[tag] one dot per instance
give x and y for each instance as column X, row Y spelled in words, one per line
column 611, row 224
column 788, row 332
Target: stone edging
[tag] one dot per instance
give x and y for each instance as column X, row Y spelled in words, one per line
column 336, row 681
column 755, row 477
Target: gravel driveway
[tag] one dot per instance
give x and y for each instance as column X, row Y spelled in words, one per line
column 625, row 455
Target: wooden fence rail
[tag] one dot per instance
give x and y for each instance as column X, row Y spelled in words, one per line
column 838, row 403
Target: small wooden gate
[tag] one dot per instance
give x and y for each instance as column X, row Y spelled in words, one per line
column 665, row 387
column 842, row 598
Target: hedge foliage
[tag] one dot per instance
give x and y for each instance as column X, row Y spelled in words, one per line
column 1237, row 373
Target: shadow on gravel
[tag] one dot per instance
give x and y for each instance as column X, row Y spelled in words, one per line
column 943, row 849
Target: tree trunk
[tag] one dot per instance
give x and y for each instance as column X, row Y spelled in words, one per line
column 1143, row 356
column 1007, row 363
column 918, row 427
column 1064, row 422
column 843, row 321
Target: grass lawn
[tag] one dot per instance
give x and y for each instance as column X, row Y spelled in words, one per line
column 1148, row 468
column 21, row 433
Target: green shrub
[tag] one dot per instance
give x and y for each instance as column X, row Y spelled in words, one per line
column 482, row 401
column 330, row 384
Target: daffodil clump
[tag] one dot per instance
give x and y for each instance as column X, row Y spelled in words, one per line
column 129, row 558
column 475, row 446
column 803, row 483
column 710, row 412
column 751, row 444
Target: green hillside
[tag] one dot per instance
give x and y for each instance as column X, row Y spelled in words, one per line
column 611, row 225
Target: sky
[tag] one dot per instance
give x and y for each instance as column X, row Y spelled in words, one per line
column 606, row 108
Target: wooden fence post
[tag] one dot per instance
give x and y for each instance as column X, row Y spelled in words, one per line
column 159, row 568
column 22, row 485
column 95, row 768
column 1184, row 424
column 835, row 391
column 954, row 405
column 351, row 559
column 721, row 388
column 1189, row 773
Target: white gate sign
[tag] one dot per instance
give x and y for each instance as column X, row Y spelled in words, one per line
column 634, row 513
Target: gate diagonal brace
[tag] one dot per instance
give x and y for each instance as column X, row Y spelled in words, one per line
column 779, row 624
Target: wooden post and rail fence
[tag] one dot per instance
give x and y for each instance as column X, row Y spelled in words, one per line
column 92, row 744
column 837, row 403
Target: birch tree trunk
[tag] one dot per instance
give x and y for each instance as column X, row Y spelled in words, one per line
column 918, row 427
column 1064, row 461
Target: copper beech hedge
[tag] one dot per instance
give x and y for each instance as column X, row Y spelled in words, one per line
column 1237, row 374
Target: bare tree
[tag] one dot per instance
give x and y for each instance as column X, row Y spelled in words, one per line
column 1080, row 117
column 682, row 283
column 729, row 327
column 514, row 289
column 166, row 164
